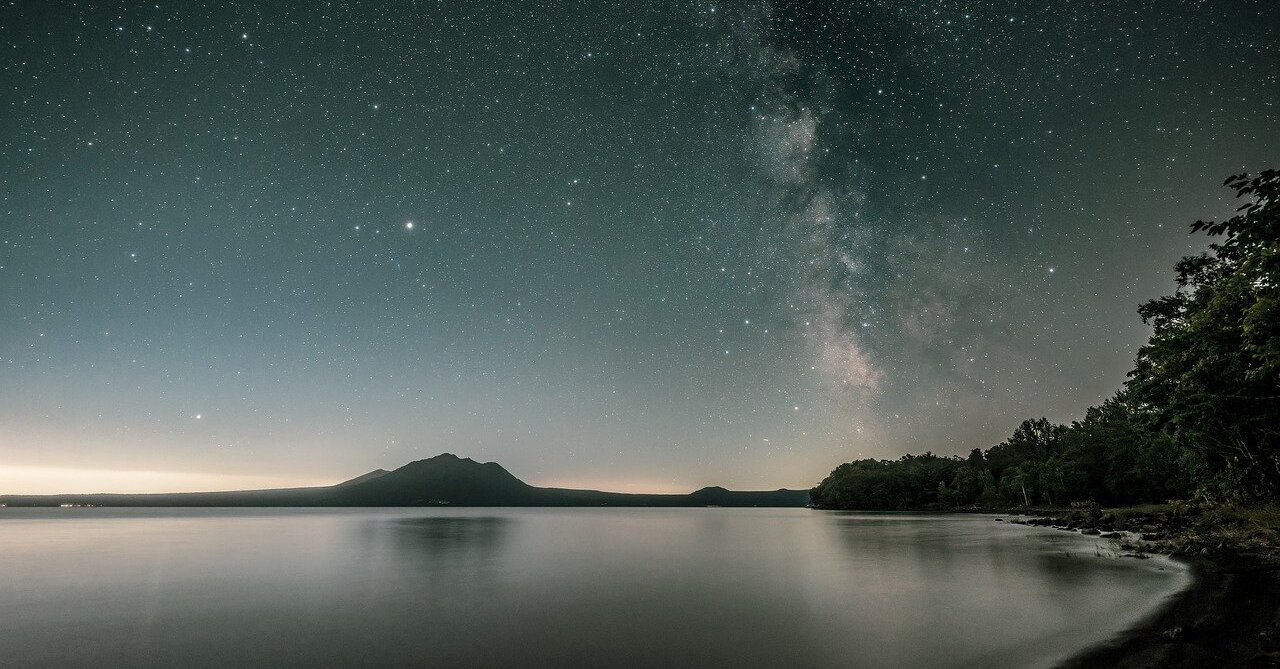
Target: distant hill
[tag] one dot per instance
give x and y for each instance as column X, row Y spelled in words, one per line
column 445, row 479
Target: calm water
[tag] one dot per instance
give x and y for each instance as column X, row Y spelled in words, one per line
column 554, row 587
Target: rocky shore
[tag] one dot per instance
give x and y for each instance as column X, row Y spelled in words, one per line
column 1229, row 617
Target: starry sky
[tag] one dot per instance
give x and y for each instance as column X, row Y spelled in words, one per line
column 634, row 246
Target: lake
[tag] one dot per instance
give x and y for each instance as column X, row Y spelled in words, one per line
column 503, row 587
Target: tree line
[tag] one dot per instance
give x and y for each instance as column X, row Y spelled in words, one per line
column 1197, row 419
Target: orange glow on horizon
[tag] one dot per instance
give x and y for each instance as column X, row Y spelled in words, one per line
column 637, row 487
column 15, row 480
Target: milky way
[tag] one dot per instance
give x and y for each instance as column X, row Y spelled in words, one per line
column 632, row 245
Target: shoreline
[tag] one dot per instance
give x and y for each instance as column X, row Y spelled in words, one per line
column 1228, row 617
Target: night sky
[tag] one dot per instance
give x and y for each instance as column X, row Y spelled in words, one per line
column 633, row 246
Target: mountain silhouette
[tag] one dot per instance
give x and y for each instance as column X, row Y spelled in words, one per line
column 445, row 479
column 364, row 477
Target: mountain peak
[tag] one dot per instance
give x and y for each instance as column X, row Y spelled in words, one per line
column 446, row 460
column 441, row 479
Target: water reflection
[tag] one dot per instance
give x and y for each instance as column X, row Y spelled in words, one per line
column 456, row 536
column 554, row 587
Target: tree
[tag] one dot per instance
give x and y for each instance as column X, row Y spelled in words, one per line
column 1210, row 375
column 1200, row 413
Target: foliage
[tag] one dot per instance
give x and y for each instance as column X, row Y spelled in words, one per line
column 1198, row 418
column 1107, row 457
column 1210, row 375
column 913, row 481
